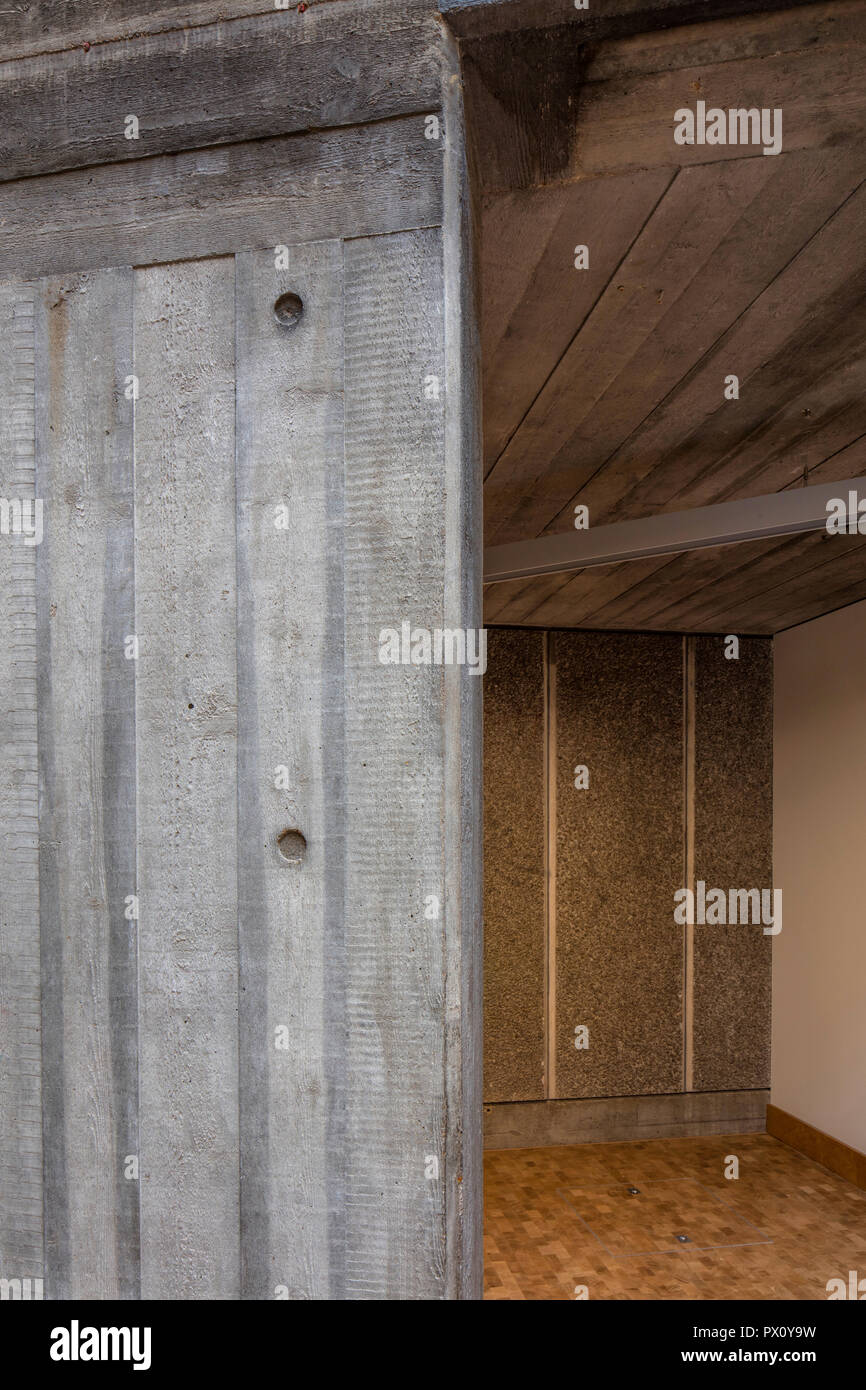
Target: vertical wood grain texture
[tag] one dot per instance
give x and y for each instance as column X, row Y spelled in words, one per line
column 187, row 778
column 21, row 1219
column 87, row 783
column 733, row 849
column 390, row 1090
column 619, row 849
column 515, row 864
column 290, row 659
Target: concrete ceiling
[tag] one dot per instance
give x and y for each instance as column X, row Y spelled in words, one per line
column 605, row 386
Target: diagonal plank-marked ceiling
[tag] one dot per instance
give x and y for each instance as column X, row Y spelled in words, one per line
column 605, row 387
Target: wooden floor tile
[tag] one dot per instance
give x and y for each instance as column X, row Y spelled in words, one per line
column 659, row 1215
column 560, row 1218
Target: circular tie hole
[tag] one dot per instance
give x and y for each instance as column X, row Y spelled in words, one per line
column 292, row 846
column 288, row 310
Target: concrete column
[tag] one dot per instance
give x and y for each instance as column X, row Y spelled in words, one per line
column 241, row 940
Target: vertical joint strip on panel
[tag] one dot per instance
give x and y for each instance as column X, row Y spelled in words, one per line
column 549, row 657
column 21, row 1216
column 23, row 842
column 688, row 856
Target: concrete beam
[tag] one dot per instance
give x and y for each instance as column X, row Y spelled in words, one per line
column 726, row 523
column 217, row 85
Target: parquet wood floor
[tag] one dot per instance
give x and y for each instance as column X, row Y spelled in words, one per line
column 559, row 1218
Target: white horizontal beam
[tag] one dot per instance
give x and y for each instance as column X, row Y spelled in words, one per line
column 725, row 523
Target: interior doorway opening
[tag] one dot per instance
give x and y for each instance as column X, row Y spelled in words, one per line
column 671, row 424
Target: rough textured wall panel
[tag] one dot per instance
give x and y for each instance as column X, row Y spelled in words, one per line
column 619, row 860
column 290, row 625
column 187, row 730
column 515, row 866
column 86, row 616
column 385, row 972
column 733, row 849
column 655, row 722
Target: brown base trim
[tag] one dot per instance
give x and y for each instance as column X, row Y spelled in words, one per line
column 534, row 1124
column 823, row 1148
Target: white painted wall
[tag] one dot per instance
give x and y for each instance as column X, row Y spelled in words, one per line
column 819, row 958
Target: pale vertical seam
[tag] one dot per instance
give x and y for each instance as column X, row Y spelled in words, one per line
column 688, row 857
column 550, row 1087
